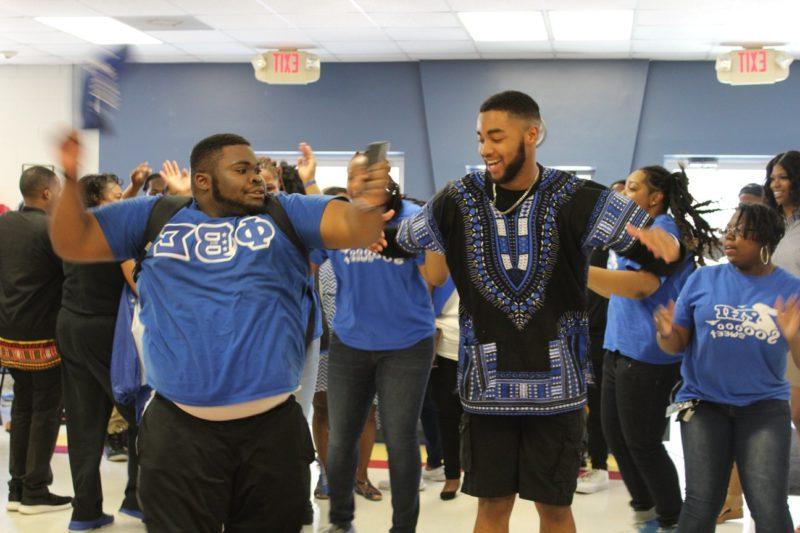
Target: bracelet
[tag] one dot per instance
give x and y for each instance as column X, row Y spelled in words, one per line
column 310, row 182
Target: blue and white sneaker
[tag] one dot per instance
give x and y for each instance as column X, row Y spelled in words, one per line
column 105, row 520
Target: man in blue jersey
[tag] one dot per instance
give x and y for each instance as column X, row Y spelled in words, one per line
column 223, row 443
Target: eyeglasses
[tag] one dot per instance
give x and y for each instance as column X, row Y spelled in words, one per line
column 736, row 232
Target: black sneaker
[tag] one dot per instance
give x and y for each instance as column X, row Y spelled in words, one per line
column 44, row 504
column 14, row 498
column 116, row 449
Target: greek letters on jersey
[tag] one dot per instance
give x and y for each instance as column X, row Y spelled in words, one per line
column 213, row 243
column 742, row 321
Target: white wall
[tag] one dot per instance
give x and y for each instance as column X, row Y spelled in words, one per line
column 36, row 103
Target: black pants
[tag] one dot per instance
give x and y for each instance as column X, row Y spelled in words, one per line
column 448, row 404
column 635, row 399
column 248, row 475
column 35, row 417
column 597, row 447
column 85, row 343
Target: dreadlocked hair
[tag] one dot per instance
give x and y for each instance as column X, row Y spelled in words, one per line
column 697, row 235
column 760, row 223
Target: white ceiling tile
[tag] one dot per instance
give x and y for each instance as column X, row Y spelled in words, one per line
column 244, row 22
column 217, row 49
column 592, row 55
column 675, row 56
column 517, row 55
column 86, row 49
column 21, row 24
column 219, row 7
column 42, row 59
column 665, row 33
column 224, row 58
column 592, row 47
column 435, row 47
column 445, row 56
column 497, row 5
column 192, row 36
column 44, row 37
column 267, row 36
column 403, row 6
column 373, row 58
column 683, row 5
column 347, row 34
column 678, row 17
column 590, row 4
column 312, row 6
column 178, row 58
column 514, row 47
column 134, row 8
column 416, row 20
column 49, row 8
column 362, row 47
column 152, row 50
column 330, row 20
column 428, row 34
column 670, row 46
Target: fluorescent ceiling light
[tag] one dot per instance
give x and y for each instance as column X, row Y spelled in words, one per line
column 601, row 25
column 99, row 30
column 496, row 26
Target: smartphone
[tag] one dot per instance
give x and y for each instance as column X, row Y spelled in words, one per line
column 377, row 152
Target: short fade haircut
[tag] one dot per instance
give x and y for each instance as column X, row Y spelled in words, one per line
column 34, row 179
column 753, row 188
column 151, row 177
column 515, row 103
column 205, row 154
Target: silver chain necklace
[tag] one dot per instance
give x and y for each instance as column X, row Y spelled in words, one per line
column 521, row 198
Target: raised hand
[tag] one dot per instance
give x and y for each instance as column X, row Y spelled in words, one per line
column 369, row 184
column 660, row 243
column 69, row 153
column 663, row 317
column 139, row 174
column 306, row 163
column 788, row 316
column 178, row 180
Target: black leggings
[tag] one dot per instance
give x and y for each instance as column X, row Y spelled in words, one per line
column 443, row 383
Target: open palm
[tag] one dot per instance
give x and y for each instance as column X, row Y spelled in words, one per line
column 788, row 316
column 663, row 318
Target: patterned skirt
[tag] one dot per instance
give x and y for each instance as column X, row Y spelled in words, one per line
column 29, row 355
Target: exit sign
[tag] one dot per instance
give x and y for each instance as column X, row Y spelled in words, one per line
column 754, row 66
column 287, row 67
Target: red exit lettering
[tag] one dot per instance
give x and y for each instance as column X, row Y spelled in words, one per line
column 286, row 62
column 752, row 61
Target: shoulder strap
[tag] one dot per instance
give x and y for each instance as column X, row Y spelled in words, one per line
column 275, row 210
column 163, row 210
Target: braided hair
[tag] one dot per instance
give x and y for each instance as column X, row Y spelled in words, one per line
column 695, row 232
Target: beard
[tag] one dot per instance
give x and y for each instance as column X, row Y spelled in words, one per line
column 233, row 207
column 513, row 168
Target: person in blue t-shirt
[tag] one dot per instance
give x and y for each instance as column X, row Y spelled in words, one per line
column 382, row 342
column 734, row 323
column 637, row 375
column 224, row 304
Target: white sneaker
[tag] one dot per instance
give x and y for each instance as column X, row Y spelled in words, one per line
column 592, row 481
column 437, row 474
column 384, row 484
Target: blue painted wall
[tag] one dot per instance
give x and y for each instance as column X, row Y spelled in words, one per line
column 614, row 115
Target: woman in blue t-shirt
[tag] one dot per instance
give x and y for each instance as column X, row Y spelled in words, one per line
column 637, row 375
column 736, row 322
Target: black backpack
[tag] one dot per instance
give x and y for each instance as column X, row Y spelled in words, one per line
column 167, row 206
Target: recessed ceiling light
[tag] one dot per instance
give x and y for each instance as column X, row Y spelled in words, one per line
column 599, row 25
column 99, row 30
column 505, row 25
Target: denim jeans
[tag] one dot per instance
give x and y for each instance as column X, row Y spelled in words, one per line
column 758, row 438
column 635, row 397
column 400, row 378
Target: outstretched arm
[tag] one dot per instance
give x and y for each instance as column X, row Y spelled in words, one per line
column 75, row 233
column 626, row 283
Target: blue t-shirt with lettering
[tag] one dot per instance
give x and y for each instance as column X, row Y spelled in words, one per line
column 224, row 301
column 737, row 354
column 381, row 303
column 629, row 326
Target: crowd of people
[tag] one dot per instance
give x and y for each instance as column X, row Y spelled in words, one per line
column 527, row 317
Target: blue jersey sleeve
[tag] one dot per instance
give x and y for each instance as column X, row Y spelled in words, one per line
column 684, row 306
column 318, row 256
column 305, row 212
column 124, row 223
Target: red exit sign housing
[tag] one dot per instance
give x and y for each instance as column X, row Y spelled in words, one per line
column 753, row 66
column 751, row 61
column 287, row 67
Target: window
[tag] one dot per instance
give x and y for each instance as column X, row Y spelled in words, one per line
column 332, row 166
column 719, row 178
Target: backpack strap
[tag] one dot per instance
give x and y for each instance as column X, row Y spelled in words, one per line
column 163, row 210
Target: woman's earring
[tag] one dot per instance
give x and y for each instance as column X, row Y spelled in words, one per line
column 765, row 255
